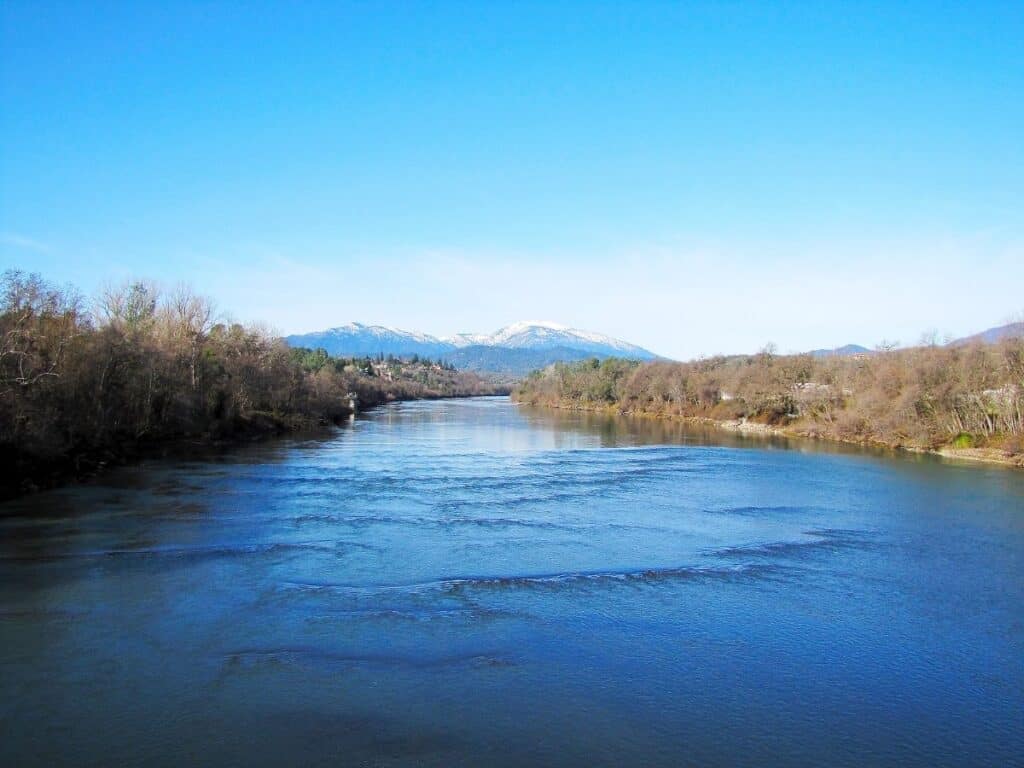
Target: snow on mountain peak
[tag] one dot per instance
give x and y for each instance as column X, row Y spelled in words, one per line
column 360, row 338
column 523, row 325
column 545, row 334
column 354, row 327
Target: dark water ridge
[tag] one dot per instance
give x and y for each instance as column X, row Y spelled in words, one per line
column 474, row 583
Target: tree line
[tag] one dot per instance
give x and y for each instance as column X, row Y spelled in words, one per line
column 85, row 382
column 926, row 397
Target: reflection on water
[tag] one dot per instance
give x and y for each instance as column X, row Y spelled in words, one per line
column 470, row 583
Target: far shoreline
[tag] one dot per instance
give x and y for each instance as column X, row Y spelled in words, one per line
column 987, row 456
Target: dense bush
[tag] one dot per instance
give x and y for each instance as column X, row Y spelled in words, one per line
column 136, row 366
column 926, row 396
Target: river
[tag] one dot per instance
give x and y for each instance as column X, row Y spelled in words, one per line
column 472, row 583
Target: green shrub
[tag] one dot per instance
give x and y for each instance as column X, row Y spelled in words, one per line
column 963, row 440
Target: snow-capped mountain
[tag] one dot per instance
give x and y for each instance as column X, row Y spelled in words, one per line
column 547, row 335
column 358, row 340
column 469, row 339
column 517, row 347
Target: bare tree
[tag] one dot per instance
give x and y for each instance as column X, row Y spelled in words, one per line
column 37, row 322
column 131, row 306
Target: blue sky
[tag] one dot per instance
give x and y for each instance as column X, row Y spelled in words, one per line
column 693, row 177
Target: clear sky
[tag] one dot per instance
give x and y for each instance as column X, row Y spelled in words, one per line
column 692, row 177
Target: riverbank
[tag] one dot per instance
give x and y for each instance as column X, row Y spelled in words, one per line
column 27, row 473
column 962, row 402
column 753, row 428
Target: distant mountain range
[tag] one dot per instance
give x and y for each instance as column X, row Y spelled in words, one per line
column 848, row 349
column 514, row 350
column 988, row 336
column 993, row 335
column 358, row 340
column 522, row 347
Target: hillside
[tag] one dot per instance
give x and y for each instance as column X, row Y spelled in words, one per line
column 847, row 349
column 962, row 397
column 510, row 363
column 993, row 335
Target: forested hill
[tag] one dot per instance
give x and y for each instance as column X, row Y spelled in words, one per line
column 966, row 397
column 83, row 383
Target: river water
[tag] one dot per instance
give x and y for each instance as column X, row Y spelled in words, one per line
column 470, row 583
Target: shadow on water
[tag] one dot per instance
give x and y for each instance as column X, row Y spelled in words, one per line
column 619, row 430
column 622, row 430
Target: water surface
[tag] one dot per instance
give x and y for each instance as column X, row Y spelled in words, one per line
column 465, row 583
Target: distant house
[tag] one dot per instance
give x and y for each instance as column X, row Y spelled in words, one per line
column 1002, row 396
column 812, row 388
